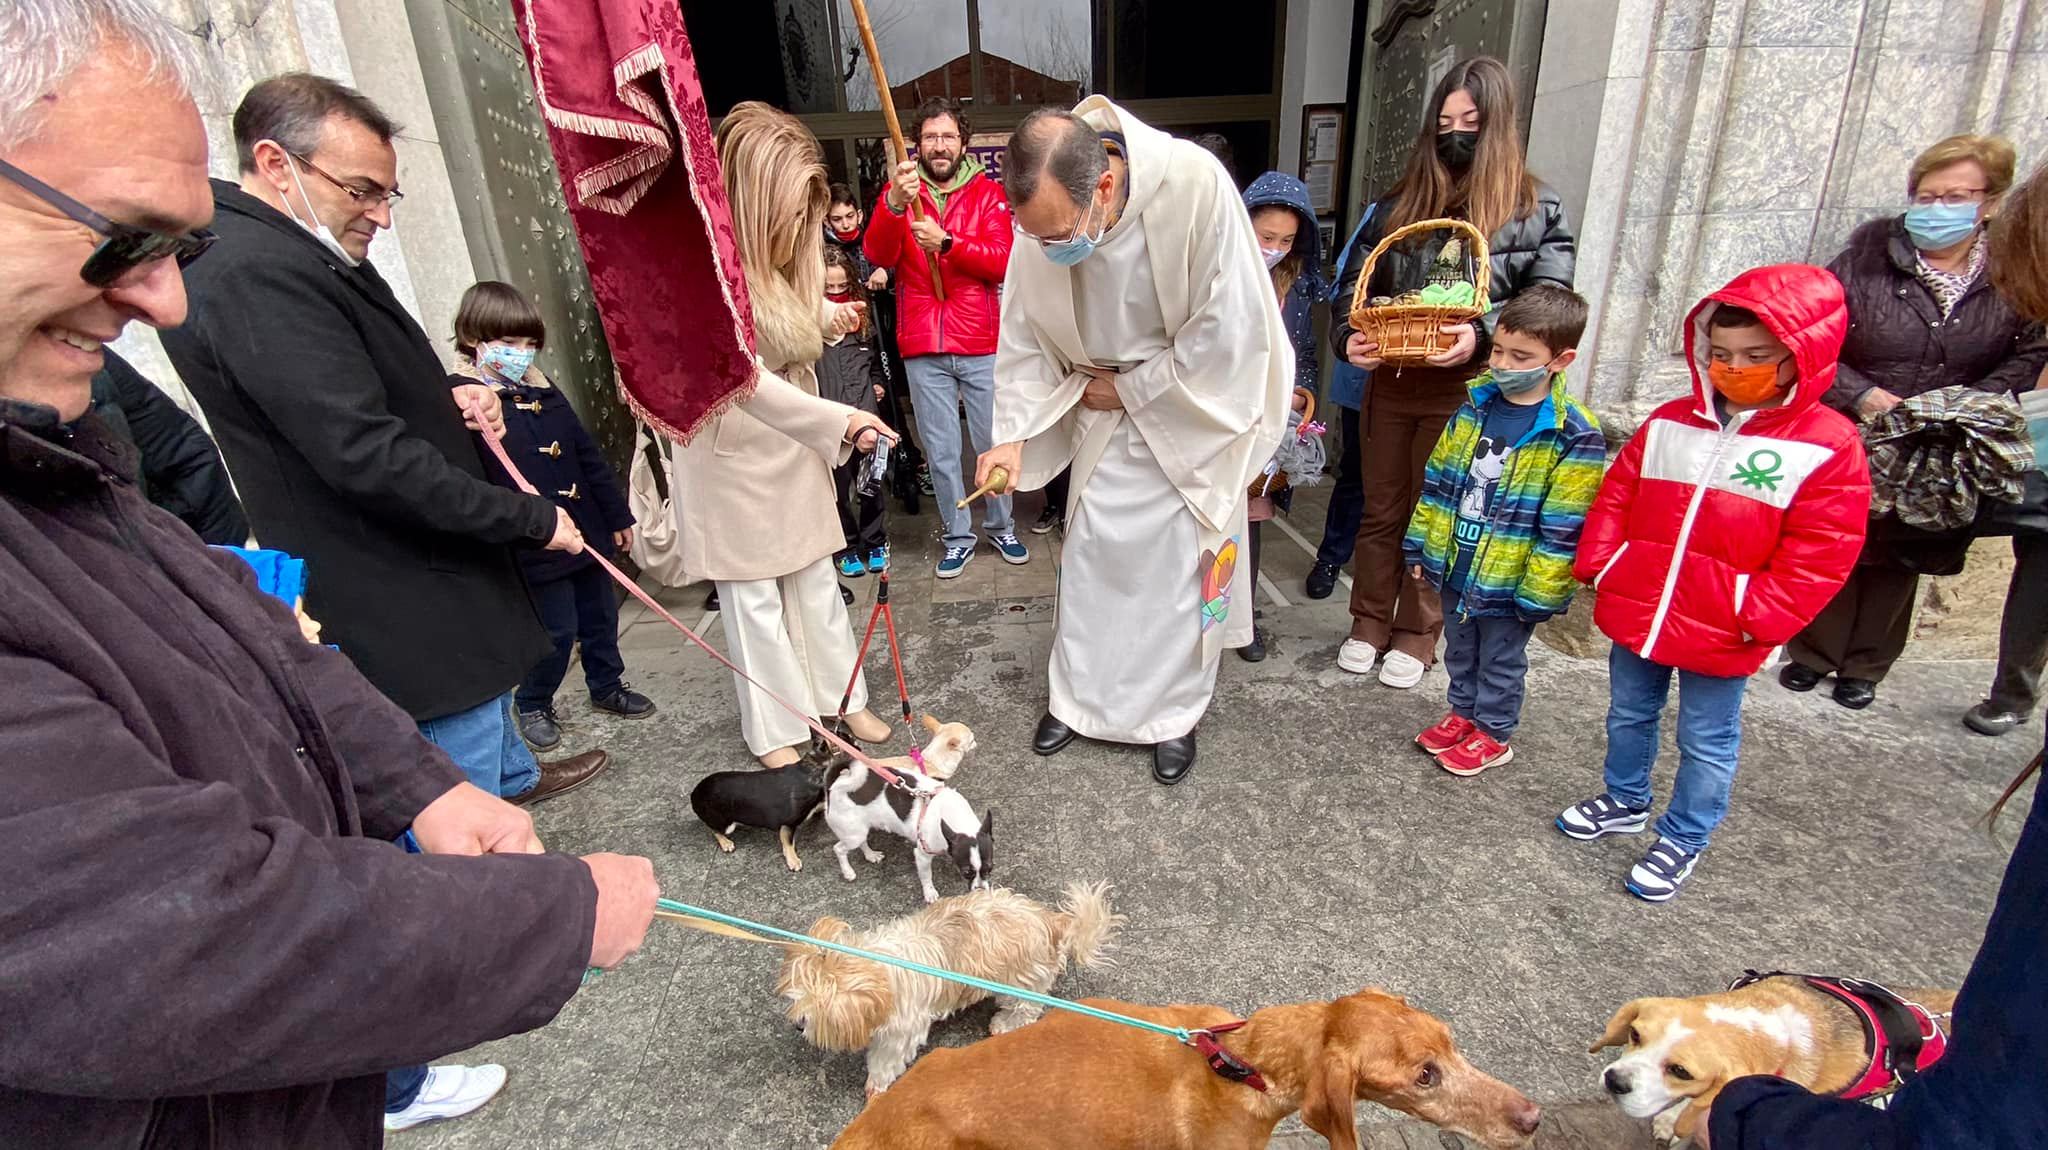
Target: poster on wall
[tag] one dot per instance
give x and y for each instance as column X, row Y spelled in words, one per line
column 1322, row 158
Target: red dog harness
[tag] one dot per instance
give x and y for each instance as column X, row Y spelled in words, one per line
column 1901, row 1037
column 1222, row 1061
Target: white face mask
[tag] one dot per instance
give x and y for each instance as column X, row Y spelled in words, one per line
column 320, row 231
column 1273, row 258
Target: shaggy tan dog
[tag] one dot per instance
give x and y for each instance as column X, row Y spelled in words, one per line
column 845, row 1003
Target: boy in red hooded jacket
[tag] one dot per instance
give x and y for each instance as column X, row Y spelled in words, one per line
column 1726, row 524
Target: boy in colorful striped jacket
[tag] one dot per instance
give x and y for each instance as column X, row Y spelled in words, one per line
column 1504, row 496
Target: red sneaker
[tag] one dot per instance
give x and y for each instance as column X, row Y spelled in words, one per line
column 1448, row 733
column 1475, row 754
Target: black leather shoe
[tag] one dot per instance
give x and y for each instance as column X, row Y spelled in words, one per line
column 1173, row 759
column 1254, row 651
column 1052, row 737
column 711, row 599
column 541, row 730
column 1799, row 677
column 1322, row 579
column 624, row 702
column 846, row 594
column 1855, row 694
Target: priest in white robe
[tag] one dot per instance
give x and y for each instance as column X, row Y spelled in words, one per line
column 1142, row 345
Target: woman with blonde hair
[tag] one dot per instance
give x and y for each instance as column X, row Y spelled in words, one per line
column 753, row 491
column 1923, row 317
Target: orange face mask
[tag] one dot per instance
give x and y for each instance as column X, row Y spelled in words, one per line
column 1755, row 384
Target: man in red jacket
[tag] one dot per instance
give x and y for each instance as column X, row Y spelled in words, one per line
column 949, row 345
column 1726, row 524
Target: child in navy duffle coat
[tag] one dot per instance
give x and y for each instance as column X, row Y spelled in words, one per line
column 498, row 331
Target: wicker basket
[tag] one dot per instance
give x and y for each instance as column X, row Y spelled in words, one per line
column 1412, row 332
column 1272, row 482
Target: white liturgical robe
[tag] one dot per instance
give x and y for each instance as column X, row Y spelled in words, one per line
column 1178, row 303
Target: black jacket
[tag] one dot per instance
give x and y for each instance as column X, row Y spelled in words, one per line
column 1535, row 248
column 181, row 468
column 1898, row 339
column 849, row 371
column 206, row 936
column 551, row 447
column 335, row 418
column 1985, row 1093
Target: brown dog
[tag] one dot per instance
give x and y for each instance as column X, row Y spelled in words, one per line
column 1067, row 1081
column 1680, row 1052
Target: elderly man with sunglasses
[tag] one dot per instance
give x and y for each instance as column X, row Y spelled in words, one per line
column 206, row 935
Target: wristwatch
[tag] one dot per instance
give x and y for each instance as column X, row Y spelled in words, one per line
column 946, row 245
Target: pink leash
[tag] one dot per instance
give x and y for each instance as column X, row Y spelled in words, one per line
column 498, row 449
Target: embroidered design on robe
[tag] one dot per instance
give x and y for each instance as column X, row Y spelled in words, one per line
column 1217, row 569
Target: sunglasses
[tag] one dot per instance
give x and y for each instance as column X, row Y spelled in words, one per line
column 126, row 247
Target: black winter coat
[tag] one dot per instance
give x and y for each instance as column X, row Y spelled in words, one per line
column 551, row 447
column 206, row 936
column 849, row 371
column 181, row 468
column 1535, row 248
column 1898, row 339
column 334, row 414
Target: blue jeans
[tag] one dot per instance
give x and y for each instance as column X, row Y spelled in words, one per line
column 1488, row 661
column 1709, row 743
column 938, row 385
column 402, row 1086
column 485, row 743
column 1347, row 498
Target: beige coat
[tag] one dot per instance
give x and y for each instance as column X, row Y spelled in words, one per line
column 753, row 492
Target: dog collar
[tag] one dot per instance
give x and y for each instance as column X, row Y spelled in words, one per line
column 924, row 807
column 916, row 757
column 1901, row 1038
column 1221, row 1060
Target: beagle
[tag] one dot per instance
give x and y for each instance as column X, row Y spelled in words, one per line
column 1839, row 1036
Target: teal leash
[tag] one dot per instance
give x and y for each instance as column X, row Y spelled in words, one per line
column 1179, row 1034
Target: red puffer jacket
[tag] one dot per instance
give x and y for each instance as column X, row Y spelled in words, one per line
column 977, row 216
column 1712, row 543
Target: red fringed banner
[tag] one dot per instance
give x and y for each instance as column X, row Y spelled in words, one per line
column 617, row 85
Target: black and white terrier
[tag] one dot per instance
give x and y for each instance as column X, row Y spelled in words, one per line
column 938, row 820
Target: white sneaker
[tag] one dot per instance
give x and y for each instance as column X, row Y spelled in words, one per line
column 1400, row 670
column 449, row 1092
column 1357, row 656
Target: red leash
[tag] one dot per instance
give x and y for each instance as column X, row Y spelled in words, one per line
column 887, row 616
column 843, row 745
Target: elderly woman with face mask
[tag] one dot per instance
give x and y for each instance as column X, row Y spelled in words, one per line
column 1923, row 317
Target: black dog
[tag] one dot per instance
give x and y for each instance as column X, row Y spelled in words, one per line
column 783, row 798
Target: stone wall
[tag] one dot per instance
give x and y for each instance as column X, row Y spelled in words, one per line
column 364, row 43
column 1697, row 138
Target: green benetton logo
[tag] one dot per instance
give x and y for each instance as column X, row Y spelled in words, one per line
column 1762, row 469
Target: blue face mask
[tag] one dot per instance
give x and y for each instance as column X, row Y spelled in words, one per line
column 506, row 362
column 1075, row 248
column 1520, row 382
column 1937, row 226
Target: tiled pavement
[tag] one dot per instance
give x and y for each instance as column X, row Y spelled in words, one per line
column 1312, row 852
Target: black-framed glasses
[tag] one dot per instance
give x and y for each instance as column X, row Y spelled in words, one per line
column 370, row 197
column 126, row 247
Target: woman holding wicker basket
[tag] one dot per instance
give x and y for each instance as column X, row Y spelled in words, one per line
column 1464, row 230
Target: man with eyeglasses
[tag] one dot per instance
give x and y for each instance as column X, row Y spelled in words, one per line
column 1142, row 345
column 335, row 416
column 946, row 331
column 206, row 936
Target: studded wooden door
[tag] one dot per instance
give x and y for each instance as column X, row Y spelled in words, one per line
column 510, row 198
column 1417, row 42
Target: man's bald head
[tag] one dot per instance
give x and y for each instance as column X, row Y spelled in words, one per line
column 1053, row 147
column 1054, row 171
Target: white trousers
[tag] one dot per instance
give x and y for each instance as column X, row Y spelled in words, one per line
column 1128, row 662
column 792, row 635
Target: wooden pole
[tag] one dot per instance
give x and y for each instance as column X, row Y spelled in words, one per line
column 888, row 98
